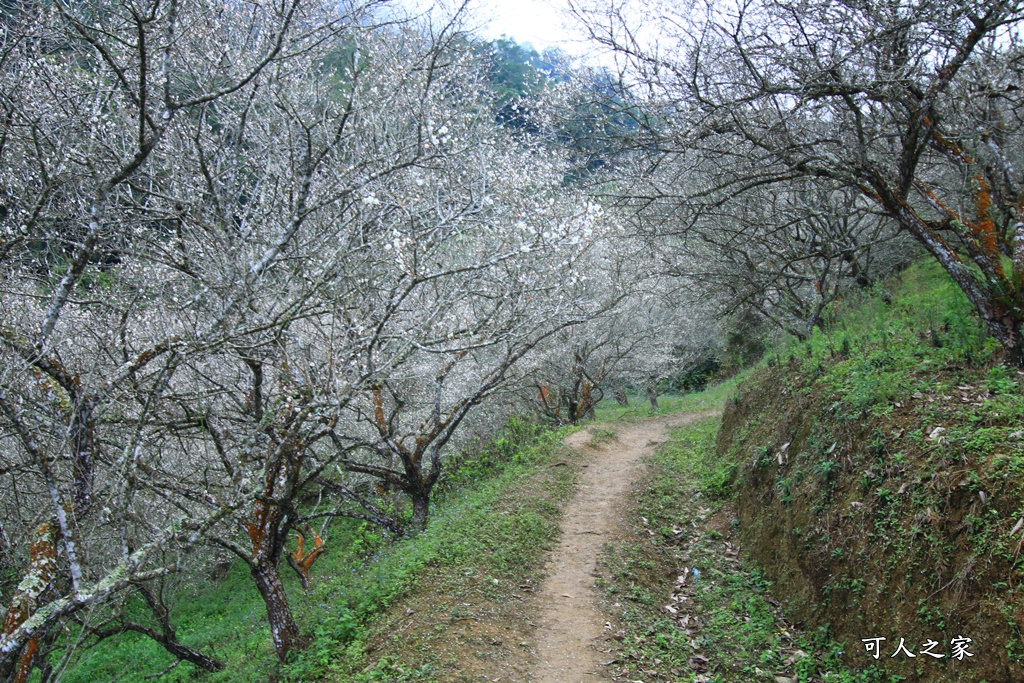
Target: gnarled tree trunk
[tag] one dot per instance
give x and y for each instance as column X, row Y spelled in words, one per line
column 37, row 582
column 420, row 509
column 620, row 394
column 283, row 628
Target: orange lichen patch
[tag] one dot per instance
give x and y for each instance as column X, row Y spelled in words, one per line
column 549, row 402
column 934, row 199
column 257, row 532
column 304, row 562
column 42, row 570
column 25, row 663
column 950, row 146
column 985, row 229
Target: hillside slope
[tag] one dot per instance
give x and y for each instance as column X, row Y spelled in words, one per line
column 879, row 473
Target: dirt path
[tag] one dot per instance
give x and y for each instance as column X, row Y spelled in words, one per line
column 571, row 622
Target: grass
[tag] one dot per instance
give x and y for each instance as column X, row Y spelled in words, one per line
column 493, row 521
column 495, row 515
column 639, row 407
column 846, row 417
column 600, row 436
column 883, row 474
column 726, row 625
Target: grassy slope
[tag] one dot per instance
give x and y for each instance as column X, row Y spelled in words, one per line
column 887, row 502
column 488, row 533
column 881, row 481
column 726, row 625
column 418, row 609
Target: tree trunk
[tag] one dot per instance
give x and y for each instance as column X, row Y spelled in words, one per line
column 420, row 509
column 652, row 394
column 182, row 651
column 283, row 628
column 37, row 582
column 620, row 395
column 1013, row 342
column 170, row 642
column 1003, row 319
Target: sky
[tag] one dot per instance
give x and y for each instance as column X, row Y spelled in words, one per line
column 539, row 22
column 542, row 23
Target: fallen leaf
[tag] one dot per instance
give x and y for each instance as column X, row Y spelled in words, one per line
column 1017, row 526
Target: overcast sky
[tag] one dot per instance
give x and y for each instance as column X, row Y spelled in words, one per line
column 540, row 22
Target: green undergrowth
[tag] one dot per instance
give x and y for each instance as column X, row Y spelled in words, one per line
column 483, row 525
column 726, row 625
column 881, row 474
column 639, row 407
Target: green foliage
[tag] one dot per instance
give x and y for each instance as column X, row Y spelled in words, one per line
column 516, row 70
column 481, row 460
column 362, row 574
column 826, row 469
column 600, row 436
column 709, row 399
column 908, row 427
column 742, row 633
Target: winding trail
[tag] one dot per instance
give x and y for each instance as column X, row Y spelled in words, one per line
column 571, row 623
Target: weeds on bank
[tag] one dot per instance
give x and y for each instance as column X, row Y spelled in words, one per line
column 726, row 626
column 915, row 451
